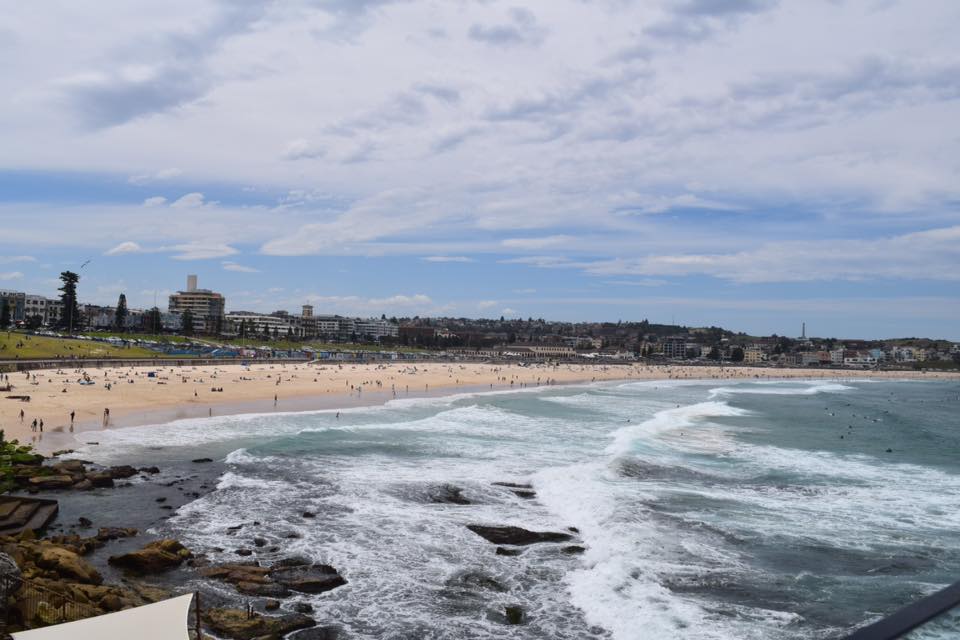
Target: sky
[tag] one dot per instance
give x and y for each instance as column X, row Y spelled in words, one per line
column 753, row 164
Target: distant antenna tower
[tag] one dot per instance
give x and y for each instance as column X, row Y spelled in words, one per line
column 803, row 331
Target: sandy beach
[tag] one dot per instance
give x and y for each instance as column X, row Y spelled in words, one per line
column 143, row 395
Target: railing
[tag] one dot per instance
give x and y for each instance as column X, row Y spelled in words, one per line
column 926, row 616
column 26, row 605
column 31, row 605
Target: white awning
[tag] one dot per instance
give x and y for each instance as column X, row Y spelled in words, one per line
column 165, row 620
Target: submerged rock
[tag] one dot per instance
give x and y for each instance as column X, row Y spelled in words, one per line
column 317, row 578
column 514, row 614
column 447, row 494
column 517, row 535
column 507, row 551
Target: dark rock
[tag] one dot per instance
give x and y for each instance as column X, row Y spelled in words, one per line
column 514, row 614
column 573, row 549
column 573, row 529
column 84, row 522
column 265, row 590
column 292, row 535
column 235, row 527
column 292, row 561
column 313, row 579
column 447, row 494
column 513, row 485
column 260, row 542
column 271, row 605
column 244, row 552
column 161, row 499
column 523, row 493
column 199, row 460
column 309, row 514
column 303, row 607
column 476, row 580
column 122, row 471
column 83, row 485
column 506, row 551
column 516, row 535
column 150, row 470
column 114, row 533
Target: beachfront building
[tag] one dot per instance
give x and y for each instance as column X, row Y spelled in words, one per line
column 753, row 355
column 674, row 347
column 376, row 329
column 205, row 306
column 16, row 303
column 256, row 324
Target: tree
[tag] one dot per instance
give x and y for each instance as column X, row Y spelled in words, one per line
column 4, row 314
column 68, row 296
column 186, row 322
column 120, row 315
column 736, row 355
column 34, row 322
column 154, row 321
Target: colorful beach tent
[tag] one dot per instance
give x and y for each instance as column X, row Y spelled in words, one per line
column 165, row 620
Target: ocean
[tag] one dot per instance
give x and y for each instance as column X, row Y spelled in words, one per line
column 709, row 509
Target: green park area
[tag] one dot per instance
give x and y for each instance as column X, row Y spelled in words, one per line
column 20, row 346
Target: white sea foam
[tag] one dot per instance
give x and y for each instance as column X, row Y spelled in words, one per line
column 811, row 389
column 668, row 421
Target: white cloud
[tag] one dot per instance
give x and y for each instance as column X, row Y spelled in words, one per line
column 536, row 243
column 509, row 313
column 233, row 266
column 10, row 275
column 201, row 251
column 486, row 304
column 163, row 174
column 11, row 259
column 188, row 201
column 155, row 201
column 124, row 247
column 448, row 259
column 301, row 149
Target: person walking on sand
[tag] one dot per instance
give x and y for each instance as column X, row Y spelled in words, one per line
column 72, row 414
column 41, row 425
column 274, row 399
column 21, row 415
column 106, row 416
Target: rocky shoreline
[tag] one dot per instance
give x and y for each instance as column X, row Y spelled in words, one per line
column 62, row 563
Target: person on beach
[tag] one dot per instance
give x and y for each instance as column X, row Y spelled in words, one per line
column 106, row 416
column 41, row 425
column 33, row 425
column 72, row 414
column 21, row 415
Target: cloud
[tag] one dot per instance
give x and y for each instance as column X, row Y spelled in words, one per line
column 124, row 248
column 486, row 304
column 11, row 259
column 233, row 266
column 536, row 243
column 930, row 255
column 10, row 275
column 201, row 251
column 301, row 149
column 148, row 178
column 508, row 312
column 155, row 201
column 447, row 259
column 522, row 28
column 188, row 201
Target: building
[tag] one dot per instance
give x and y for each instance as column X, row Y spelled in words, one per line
column 753, row 355
column 375, row 329
column 674, row 347
column 205, row 306
column 16, row 303
column 261, row 325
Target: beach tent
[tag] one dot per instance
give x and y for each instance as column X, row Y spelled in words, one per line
column 165, row 620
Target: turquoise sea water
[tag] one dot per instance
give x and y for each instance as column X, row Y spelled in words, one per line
column 707, row 509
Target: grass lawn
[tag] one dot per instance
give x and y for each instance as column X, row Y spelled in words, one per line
column 34, row 347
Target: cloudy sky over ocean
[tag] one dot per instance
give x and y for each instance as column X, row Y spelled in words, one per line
column 748, row 163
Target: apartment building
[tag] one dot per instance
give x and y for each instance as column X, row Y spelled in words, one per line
column 205, row 306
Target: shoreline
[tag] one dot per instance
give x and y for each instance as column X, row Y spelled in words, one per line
column 138, row 396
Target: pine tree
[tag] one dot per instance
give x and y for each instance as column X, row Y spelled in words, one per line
column 120, row 315
column 186, row 321
column 68, row 296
